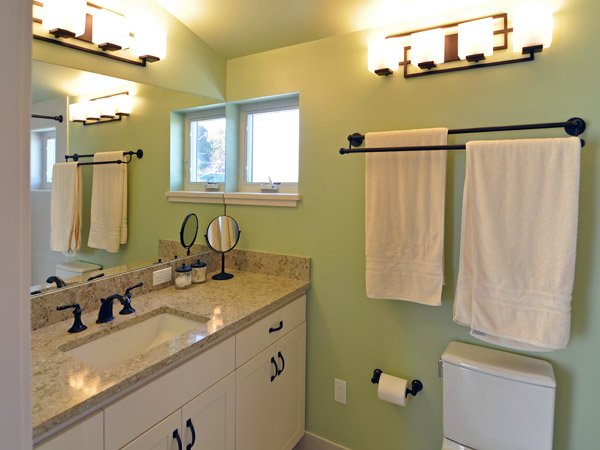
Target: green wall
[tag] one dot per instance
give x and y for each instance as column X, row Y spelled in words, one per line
column 349, row 335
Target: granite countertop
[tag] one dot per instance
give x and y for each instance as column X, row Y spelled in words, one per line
column 64, row 388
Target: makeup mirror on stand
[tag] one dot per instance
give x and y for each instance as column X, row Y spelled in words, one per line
column 222, row 236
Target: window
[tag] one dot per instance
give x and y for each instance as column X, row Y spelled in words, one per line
column 205, row 149
column 270, row 145
column 49, row 148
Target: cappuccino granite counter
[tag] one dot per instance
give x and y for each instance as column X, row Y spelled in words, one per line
column 65, row 389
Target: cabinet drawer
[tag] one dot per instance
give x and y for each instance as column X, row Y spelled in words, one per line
column 258, row 336
column 86, row 434
column 135, row 413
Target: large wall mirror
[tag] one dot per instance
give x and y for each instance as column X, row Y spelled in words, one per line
column 152, row 126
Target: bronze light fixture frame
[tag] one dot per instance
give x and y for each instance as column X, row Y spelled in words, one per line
column 451, row 51
column 106, row 48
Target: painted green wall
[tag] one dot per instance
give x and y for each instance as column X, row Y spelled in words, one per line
column 349, row 335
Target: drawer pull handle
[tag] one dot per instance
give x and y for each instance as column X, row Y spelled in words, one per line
column 280, row 356
column 190, row 425
column 276, row 368
column 176, row 436
column 272, row 330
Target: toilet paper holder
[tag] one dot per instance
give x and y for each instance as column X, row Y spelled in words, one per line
column 416, row 385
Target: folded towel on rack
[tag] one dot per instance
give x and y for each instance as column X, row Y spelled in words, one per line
column 108, row 222
column 518, row 242
column 65, row 208
column 404, row 216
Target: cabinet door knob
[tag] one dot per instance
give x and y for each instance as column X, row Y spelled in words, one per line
column 276, row 368
column 176, row 436
column 280, row 356
column 190, row 425
column 274, row 329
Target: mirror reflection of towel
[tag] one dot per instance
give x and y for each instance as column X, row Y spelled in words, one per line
column 108, row 222
column 65, row 208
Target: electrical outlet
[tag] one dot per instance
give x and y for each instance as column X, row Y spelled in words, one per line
column 161, row 276
column 339, row 391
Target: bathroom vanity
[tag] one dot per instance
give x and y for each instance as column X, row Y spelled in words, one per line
column 234, row 381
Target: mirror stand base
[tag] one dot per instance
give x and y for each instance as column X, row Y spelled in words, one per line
column 222, row 276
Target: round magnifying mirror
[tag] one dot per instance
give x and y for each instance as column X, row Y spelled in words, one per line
column 189, row 231
column 222, row 235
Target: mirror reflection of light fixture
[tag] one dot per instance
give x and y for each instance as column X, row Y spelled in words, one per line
column 427, row 48
column 476, row 39
column 64, row 18
column 467, row 43
column 93, row 27
column 101, row 110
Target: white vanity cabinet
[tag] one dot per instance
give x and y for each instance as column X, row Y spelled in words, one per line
column 87, row 434
column 205, row 423
column 183, row 389
column 270, row 380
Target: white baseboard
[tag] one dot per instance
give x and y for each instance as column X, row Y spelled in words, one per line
column 313, row 442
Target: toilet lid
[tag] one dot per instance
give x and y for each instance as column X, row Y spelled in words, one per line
column 447, row 444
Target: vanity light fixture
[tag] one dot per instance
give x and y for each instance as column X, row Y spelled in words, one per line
column 102, row 109
column 464, row 44
column 84, row 26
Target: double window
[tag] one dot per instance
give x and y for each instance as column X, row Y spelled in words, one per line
column 267, row 152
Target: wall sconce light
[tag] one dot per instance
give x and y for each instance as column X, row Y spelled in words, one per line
column 470, row 42
column 384, row 56
column 102, row 109
column 84, row 26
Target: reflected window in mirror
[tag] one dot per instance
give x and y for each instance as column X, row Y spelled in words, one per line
column 43, row 157
column 205, row 150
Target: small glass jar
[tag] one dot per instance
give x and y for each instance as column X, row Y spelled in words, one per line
column 183, row 277
column 198, row 272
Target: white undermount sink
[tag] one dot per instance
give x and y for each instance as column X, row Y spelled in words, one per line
column 126, row 343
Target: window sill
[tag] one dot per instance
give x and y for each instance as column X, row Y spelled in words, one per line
column 235, row 198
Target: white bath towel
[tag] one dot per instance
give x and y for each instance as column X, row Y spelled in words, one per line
column 108, row 222
column 65, row 208
column 518, row 241
column 404, row 216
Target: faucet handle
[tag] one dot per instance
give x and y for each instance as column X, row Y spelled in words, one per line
column 126, row 302
column 77, row 324
column 129, row 289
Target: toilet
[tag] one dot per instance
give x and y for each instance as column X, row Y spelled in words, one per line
column 75, row 269
column 495, row 400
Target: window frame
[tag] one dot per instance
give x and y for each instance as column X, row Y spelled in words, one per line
column 193, row 116
column 45, row 137
column 263, row 107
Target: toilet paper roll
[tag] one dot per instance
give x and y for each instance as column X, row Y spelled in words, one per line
column 392, row 389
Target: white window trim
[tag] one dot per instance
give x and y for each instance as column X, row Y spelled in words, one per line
column 45, row 136
column 235, row 198
column 204, row 114
column 260, row 107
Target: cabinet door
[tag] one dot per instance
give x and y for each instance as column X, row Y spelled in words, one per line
column 255, row 402
column 211, row 416
column 290, row 388
column 88, row 434
column 165, row 435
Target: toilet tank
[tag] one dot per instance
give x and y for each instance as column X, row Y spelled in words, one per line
column 495, row 400
column 75, row 269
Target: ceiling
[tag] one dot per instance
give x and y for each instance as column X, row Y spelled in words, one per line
column 241, row 27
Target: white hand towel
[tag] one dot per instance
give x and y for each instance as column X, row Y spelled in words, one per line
column 108, row 224
column 404, row 216
column 65, row 208
column 518, row 242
